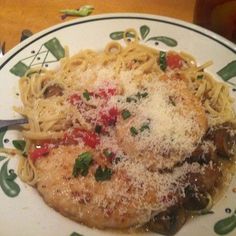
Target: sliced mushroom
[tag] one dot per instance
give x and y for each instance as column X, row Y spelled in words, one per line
column 168, row 222
column 224, row 138
column 224, row 142
column 207, row 180
column 196, row 202
column 53, row 90
column 200, row 156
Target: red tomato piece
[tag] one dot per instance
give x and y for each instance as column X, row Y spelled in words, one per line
column 109, row 117
column 39, row 152
column 106, row 93
column 74, row 99
column 174, row 61
column 89, row 138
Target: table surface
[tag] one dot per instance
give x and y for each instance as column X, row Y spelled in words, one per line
column 17, row 15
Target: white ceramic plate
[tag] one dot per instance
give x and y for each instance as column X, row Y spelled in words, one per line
column 22, row 211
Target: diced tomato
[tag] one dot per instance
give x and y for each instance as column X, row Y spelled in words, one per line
column 174, row 61
column 109, row 117
column 50, row 143
column 74, row 99
column 106, row 93
column 89, row 138
column 114, row 112
column 43, row 147
column 39, row 152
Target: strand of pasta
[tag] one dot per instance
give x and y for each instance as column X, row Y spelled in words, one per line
column 26, row 169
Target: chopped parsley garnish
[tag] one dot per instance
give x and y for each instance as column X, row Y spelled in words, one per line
column 162, row 60
column 125, row 114
column 108, row 153
column 103, row 174
column 98, row 129
column 144, row 127
column 131, row 99
column 136, row 97
column 82, row 163
column 141, row 95
column 86, row 95
column 199, row 77
column 133, row 131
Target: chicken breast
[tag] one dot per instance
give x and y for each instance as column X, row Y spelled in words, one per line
column 128, row 199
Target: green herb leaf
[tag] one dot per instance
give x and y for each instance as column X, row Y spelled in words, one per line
column 144, row 31
column 86, row 95
column 133, row 131
column 55, row 47
column 141, row 95
column 19, row 144
column 166, row 40
column 108, row 153
column 162, row 60
column 120, row 35
column 228, row 72
column 103, row 174
column 85, row 10
column 144, row 127
column 138, row 96
column 131, row 99
column 125, row 114
column 19, row 69
column 82, row 163
column 200, row 77
column 82, row 11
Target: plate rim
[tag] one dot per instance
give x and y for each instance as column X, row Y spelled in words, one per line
column 111, row 16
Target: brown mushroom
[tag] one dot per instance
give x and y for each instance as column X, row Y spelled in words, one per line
column 200, row 156
column 168, row 222
column 223, row 141
column 207, row 180
column 53, row 90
